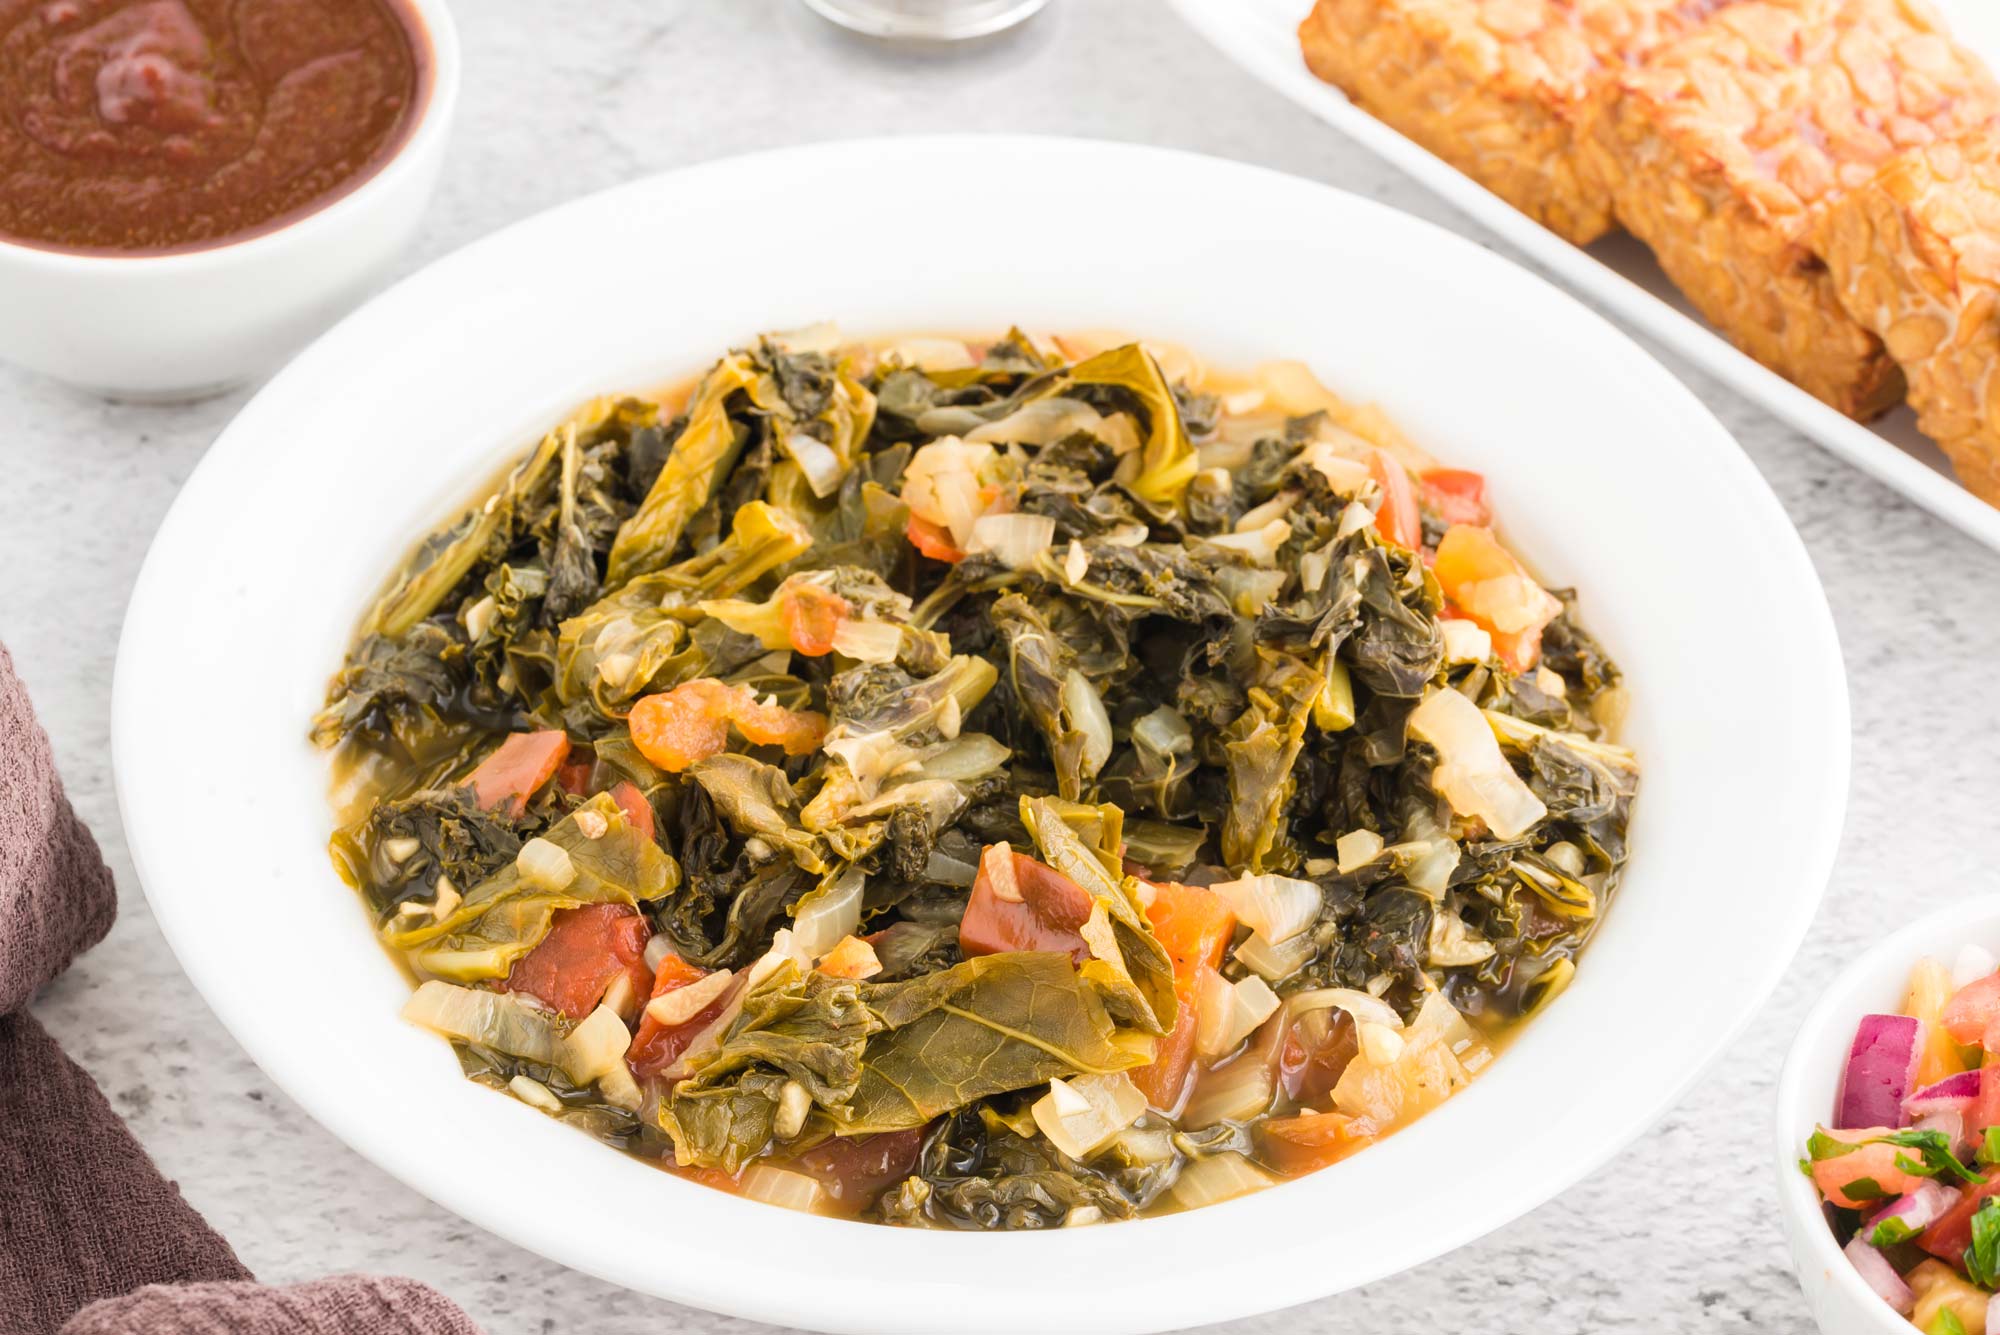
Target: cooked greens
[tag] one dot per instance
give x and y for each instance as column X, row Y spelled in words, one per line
column 996, row 785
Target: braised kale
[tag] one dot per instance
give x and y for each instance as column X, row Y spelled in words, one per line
column 988, row 786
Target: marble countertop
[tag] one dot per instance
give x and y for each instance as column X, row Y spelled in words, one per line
column 1677, row 1236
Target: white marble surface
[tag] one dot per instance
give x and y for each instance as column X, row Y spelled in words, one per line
column 1679, row 1236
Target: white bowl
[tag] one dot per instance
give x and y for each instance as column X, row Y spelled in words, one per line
column 1841, row 1301
column 1608, row 473
column 174, row 326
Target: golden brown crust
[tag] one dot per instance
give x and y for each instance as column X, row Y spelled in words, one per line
column 1501, row 89
column 1915, row 256
column 1722, row 151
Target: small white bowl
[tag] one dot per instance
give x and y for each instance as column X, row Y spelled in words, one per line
column 153, row 327
column 1840, row 1300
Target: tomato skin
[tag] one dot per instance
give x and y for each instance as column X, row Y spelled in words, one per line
column 1397, row 519
column 1192, row 923
column 657, row 1046
column 1047, row 916
column 1458, row 495
column 1972, row 1009
column 933, row 540
column 812, row 617
column 574, row 776
column 585, row 949
column 1312, row 1140
column 1315, row 1055
column 638, row 811
column 856, row 1169
column 1167, row 1081
column 516, row 770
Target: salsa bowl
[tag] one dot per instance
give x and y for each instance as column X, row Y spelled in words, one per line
column 1613, row 476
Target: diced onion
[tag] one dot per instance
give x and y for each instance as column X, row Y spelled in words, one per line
column 1471, row 773
column 780, row 1186
column 1086, row 714
column 1430, row 864
column 681, row 1004
column 828, row 914
column 658, row 947
column 535, row 1094
column 1260, row 545
column 545, row 865
column 1226, row 1012
column 1274, row 907
column 1357, row 848
column 1465, row 641
column 1274, row 962
column 1076, row 563
column 1079, row 1115
column 1452, row 945
column 941, row 484
column 1379, row 1043
column 1083, row 1215
column 1363, row 1008
column 1220, row 1177
column 597, row 1055
column 868, row 641
column 479, row 618
column 972, row 755
column 1257, row 516
column 1875, row 1269
column 1353, row 519
column 816, row 459
column 490, row 1019
column 793, row 1105
column 1235, row 1091
column 1017, row 539
column 1346, row 476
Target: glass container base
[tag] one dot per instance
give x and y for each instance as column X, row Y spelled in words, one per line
column 926, row 20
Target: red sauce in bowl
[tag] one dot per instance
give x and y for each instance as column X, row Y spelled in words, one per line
column 153, row 126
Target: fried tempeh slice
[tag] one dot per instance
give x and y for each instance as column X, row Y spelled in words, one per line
column 1501, row 89
column 1724, row 149
column 1915, row 257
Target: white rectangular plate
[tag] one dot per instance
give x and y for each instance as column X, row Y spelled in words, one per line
column 1619, row 272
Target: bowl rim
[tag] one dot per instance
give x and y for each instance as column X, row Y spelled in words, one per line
column 1823, row 685
column 423, row 143
column 1839, row 1005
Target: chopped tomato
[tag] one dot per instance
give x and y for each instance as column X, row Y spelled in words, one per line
column 707, row 1177
column 574, row 776
column 1193, row 924
column 1951, row 1234
column 933, row 540
column 857, row 1169
column 657, row 1046
column 1397, row 519
column 812, row 616
column 1495, row 591
column 1167, row 1080
column 1985, row 1109
column 1871, row 1170
column 1018, row 903
column 1312, row 1140
column 1972, row 1010
column 691, row 722
column 510, row 776
column 585, row 949
column 1458, row 495
column 638, row 811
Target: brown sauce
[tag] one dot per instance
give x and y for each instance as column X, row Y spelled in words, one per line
column 152, row 126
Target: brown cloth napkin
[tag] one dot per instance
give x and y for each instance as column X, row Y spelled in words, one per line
column 93, row 1241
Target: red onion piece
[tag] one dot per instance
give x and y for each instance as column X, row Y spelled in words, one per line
column 1952, row 1123
column 1918, row 1208
column 1874, row 1268
column 1954, row 1093
column 1881, row 1067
